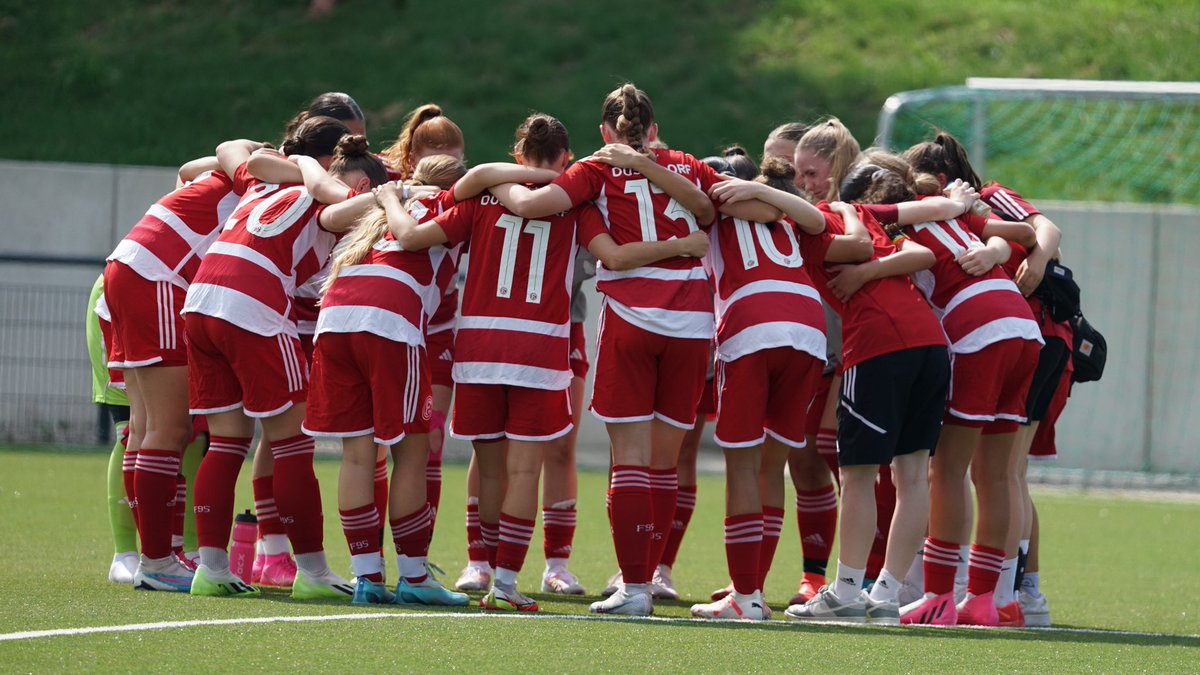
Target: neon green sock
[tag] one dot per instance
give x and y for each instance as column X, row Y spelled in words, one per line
column 189, row 467
column 124, row 532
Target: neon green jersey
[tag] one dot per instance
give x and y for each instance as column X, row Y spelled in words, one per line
column 98, row 355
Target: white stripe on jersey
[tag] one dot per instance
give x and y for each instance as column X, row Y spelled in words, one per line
column 532, row 377
column 1009, row 205
column 773, row 334
column 768, row 286
column 250, row 255
column 376, row 320
column 979, row 288
column 657, row 273
column 669, row 322
column 558, row 330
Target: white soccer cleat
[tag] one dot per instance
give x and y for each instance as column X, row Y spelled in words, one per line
column 166, row 574
column 615, row 583
column 123, row 567
column 662, row 586
column 622, row 603
column 474, row 577
column 825, row 606
column 755, row 609
column 560, row 580
column 1036, row 609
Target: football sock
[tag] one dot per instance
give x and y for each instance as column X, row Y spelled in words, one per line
column 361, row 527
column 155, row 478
column 411, row 536
column 476, row 547
column 940, row 562
column 849, row 582
column 886, row 588
column 685, row 505
column 120, row 519
column 984, row 571
column 558, row 528
column 664, row 487
column 816, row 517
column 743, row 541
column 215, row 485
column 632, row 521
column 772, row 528
column 297, row 494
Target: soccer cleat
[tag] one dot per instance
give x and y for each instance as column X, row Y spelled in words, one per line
column 507, row 601
column 623, row 603
column 123, row 567
column 729, row 608
column 277, row 571
column 560, row 580
column 323, row 586
column 474, row 577
column 221, row 583
column 1011, row 616
column 367, row 592
column 721, row 593
column 809, row 585
column 615, row 583
column 428, row 592
column 825, row 606
column 910, row 593
column 881, row 613
column 662, row 586
column 167, row 574
column 978, row 610
column 1035, row 609
column 931, row 610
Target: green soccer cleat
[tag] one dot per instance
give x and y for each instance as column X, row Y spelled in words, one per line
column 324, row 586
column 505, row 601
column 220, row 584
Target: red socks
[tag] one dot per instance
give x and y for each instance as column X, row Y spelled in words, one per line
column 179, row 514
column 361, row 526
column 264, row 507
column 515, row 534
column 940, row 561
column 816, row 516
column 633, row 521
column 664, row 486
column 885, row 504
column 827, row 448
column 743, row 541
column 983, row 569
column 215, row 485
column 411, row 534
column 772, row 528
column 128, row 467
column 476, row 548
column 558, row 527
column 297, row 494
column 685, row 505
column 490, row 532
column 381, row 490
column 155, row 475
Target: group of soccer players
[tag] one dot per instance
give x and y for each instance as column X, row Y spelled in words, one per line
column 866, row 319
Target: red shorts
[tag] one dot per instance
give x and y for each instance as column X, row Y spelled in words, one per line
column 816, row 409
column 642, row 375
column 116, row 377
column 992, row 383
column 708, row 400
column 364, row 384
column 307, row 346
column 578, row 357
column 440, row 348
column 147, row 329
column 492, row 411
column 765, row 392
column 233, row 368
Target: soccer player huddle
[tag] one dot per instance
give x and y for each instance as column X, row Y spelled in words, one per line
column 865, row 319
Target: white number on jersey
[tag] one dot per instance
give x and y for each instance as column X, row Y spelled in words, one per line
column 284, row 220
column 957, row 243
column 539, row 230
column 763, row 232
column 643, row 189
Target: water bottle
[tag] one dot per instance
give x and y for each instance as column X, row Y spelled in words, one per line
column 241, row 554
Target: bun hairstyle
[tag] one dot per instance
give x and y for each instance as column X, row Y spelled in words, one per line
column 541, row 139
column 789, row 131
column 832, row 141
column 740, row 163
column 943, row 155
column 629, row 111
column 779, row 173
column 426, row 129
column 315, row 137
column 333, row 104
column 440, row 170
column 352, row 154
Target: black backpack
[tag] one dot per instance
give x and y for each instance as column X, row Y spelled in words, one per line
column 1058, row 292
column 1089, row 351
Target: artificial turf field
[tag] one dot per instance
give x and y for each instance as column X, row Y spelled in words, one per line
column 1122, row 576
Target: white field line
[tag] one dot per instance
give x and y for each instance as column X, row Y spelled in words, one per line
column 161, row 625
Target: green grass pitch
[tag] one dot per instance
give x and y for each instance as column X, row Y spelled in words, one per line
column 1121, row 574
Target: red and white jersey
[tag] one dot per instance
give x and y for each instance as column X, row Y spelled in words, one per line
column 445, row 303
column 671, row 297
column 271, row 244
column 1011, row 206
column 169, row 241
column 975, row 311
column 886, row 315
column 390, row 293
column 765, row 299
column 515, row 327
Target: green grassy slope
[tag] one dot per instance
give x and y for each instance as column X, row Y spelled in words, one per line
column 56, row 553
column 157, row 82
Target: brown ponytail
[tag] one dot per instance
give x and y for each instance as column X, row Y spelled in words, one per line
column 425, row 129
column 628, row 110
column 541, row 139
column 352, row 155
column 944, row 155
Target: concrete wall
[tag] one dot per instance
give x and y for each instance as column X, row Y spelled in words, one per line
column 1132, row 261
